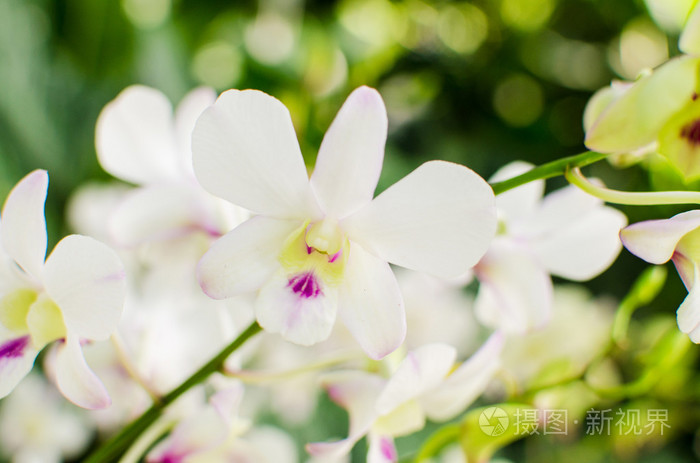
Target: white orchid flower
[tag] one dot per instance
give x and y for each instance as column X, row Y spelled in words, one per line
column 423, row 385
column 676, row 239
column 323, row 245
column 140, row 140
column 76, row 294
column 568, row 233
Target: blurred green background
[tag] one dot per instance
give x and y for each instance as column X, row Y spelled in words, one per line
column 481, row 83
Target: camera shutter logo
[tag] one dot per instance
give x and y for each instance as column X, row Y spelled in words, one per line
column 494, row 421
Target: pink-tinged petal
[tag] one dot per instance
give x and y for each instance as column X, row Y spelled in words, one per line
column 655, row 241
column 200, row 432
column 521, row 201
column 584, row 246
column 370, row 304
column 356, row 392
column 421, row 370
column 515, row 294
column 16, row 361
column 299, row 306
column 86, row 279
column 245, row 258
column 439, row 219
column 350, row 158
column 381, row 449
column 188, row 111
column 24, row 225
column 244, row 150
column 158, row 212
column 76, row 380
column 635, row 119
column 689, row 41
column 135, row 137
column 689, row 312
column 466, row 383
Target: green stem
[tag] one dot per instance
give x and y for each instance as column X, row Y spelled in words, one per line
column 549, row 170
column 117, row 445
column 632, row 198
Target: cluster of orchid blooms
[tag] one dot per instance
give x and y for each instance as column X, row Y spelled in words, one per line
column 224, row 229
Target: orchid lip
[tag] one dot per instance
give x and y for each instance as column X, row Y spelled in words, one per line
column 305, row 285
column 14, row 348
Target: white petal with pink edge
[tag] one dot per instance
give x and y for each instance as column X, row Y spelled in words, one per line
column 655, row 241
column 135, row 137
column 421, row 370
column 381, row 449
column 244, row 150
column 439, row 219
column 24, row 225
column 86, row 279
column 350, row 158
column 76, row 380
column 466, row 383
column 16, row 360
column 245, row 258
column 515, row 292
column 689, row 311
column 370, row 303
column 299, row 306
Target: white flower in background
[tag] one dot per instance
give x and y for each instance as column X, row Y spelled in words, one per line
column 580, row 328
column 38, row 426
column 76, row 294
column 215, row 433
column 568, row 233
column 423, row 385
column 323, row 245
column 139, row 140
column 676, row 239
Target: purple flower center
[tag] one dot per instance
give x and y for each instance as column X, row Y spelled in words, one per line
column 305, row 285
column 14, row 348
column 387, row 448
column 691, row 132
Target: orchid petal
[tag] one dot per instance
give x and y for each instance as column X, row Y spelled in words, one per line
column 583, row 247
column 86, row 279
column 381, row 449
column 157, row 212
column 689, row 312
column 245, row 151
column 634, row 120
column 515, row 294
column 188, row 110
column 421, row 370
column 24, row 225
column 76, row 380
column 466, row 383
column 439, row 219
column 10, row 274
column 350, row 158
column 370, row 304
column 245, row 258
column 135, row 136
column 16, row 361
column 655, row 241
column 689, row 41
column 356, row 392
column 299, row 307
column 521, row 201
